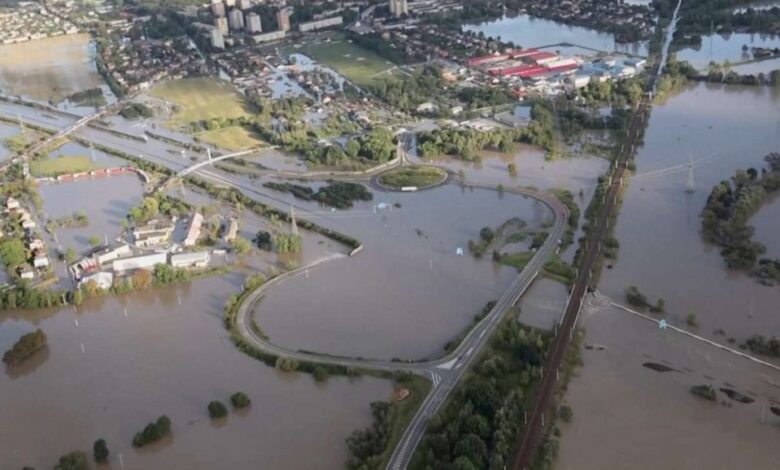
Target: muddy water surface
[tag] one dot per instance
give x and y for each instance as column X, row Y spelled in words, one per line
column 168, row 355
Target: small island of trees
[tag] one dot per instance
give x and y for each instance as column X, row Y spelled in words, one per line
column 24, row 347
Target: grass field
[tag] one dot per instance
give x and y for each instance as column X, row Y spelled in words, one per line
column 517, row 260
column 419, row 176
column 357, row 64
column 230, row 138
column 199, row 99
column 61, row 165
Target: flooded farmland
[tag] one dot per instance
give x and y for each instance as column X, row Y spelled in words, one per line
column 408, row 292
column 169, row 354
column 48, row 69
column 661, row 250
column 627, row 415
column 720, row 48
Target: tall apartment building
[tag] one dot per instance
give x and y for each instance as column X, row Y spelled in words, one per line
column 244, row 4
column 399, row 7
column 283, row 19
column 253, row 23
column 222, row 25
column 218, row 8
column 217, row 41
column 236, row 19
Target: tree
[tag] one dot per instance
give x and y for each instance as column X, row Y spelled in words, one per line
column 142, row 279
column 13, row 253
column 263, row 240
column 240, row 400
column 320, row 374
column 75, row 460
column 94, row 241
column 100, row 451
column 217, row 409
column 241, row 245
column 512, row 169
column 77, row 297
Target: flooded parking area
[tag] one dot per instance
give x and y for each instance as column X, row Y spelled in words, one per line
column 166, row 352
column 408, row 292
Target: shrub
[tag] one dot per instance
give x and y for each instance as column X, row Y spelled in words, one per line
column 320, row 374
column 25, row 347
column 286, row 364
column 704, row 391
column 240, row 400
column 153, row 432
column 100, row 450
column 76, row 460
column 217, row 409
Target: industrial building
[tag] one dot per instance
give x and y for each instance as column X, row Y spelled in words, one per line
column 193, row 229
column 139, row 262
column 320, row 24
column 197, row 259
column 152, row 234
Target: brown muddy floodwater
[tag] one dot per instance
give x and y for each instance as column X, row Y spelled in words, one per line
column 170, row 354
column 627, row 416
column 48, row 69
column 6, row 131
column 661, row 250
column 105, row 201
column 408, row 292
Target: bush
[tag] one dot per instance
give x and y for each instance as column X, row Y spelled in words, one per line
column 76, row 460
column 320, row 374
column 704, row 391
column 24, row 347
column 566, row 413
column 100, row 451
column 217, row 409
column 153, row 432
column 286, row 364
column 240, row 400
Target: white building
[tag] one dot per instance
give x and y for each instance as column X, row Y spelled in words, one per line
column 283, row 19
column 222, row 25
column 193, row 229
column 320, row 24
column 140, row 262
column 272, row 36
column 103, row 280
column 253, row 23
column 110, row 254
column 217, row 41
column 197, row 259
column 244, row 4
column 399, row 7
column 152, row 234
column 236, row 19
column 218, row 8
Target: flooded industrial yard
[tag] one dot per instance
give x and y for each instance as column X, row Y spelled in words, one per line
column 166, row 352
column 408, row 292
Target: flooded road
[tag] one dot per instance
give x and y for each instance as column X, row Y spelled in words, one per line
column 408, row 292
column 169, row 355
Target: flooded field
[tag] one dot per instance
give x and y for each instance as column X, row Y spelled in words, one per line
column 169, row 354
column 105, row 201
column 527, row 31
column 48, row 69
column 720, row 48
column 629, row 415
column 6, row 131
column 543, row 304
column 661, row 250
column 764, row 66
column 408, row 292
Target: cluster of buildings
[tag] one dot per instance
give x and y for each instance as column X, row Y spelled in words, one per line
column 30, row 21
column 38, row 260
column 152, row 244
column 137, row 64
column 629, row 21
column 548, row 72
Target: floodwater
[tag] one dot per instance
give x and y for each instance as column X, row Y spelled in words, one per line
column 630, row 416
column 169, row 355
column 105, row 201
column 763, row 66
column 99, row 159
column 408, row 292
column 6, row 131
column 767, row 225
column 48, row 69
column 720, row 48
column 528, row 31
column 543, row 304
column 661, row 250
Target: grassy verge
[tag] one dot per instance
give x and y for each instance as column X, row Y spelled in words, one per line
column 517, row 260
column 417, row 176
column 198, row 99
column 61, row 165
column 403, row 411
column 234, row 138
